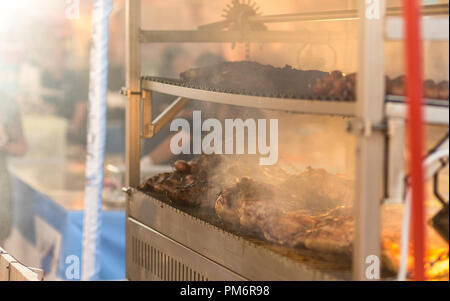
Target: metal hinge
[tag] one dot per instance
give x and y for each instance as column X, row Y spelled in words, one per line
column 364, row 127
column 124, row 91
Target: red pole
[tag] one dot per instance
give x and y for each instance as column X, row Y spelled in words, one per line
column 414, row 69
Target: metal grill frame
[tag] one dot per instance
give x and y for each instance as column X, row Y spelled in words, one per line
column 370, row 110
column 155, row 257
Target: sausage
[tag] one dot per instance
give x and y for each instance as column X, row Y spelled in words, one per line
column 430, row 89
column 193, row 167
column 443, row 90
column 182, row 166
column 388, row 85
column 398, row 86
column 338, row 88
column 351, row 77
column 321, row 88
column 189, row 179
column 336, row 75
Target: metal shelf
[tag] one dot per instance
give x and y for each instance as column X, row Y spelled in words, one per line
column 435, row 111
column 321, row 107
column 433, row 29
column 222, row 36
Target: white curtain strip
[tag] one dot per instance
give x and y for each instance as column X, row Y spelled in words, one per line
column 98, row 79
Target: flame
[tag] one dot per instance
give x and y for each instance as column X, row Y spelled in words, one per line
column 437, row 264
column 436, row 261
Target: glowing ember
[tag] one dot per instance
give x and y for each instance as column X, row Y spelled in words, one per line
column 437, row 265
column 436, row 261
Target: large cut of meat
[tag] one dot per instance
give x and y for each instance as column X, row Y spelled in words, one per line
column 254, row 78
column 188, row 184
column 282, row 218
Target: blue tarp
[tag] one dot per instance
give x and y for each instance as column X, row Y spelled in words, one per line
column 29, row 203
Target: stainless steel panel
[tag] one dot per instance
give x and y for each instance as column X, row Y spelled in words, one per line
column 233, row 252
column 153, row 256
column 370, row 146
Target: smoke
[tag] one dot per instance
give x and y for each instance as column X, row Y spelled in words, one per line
column 314, row 189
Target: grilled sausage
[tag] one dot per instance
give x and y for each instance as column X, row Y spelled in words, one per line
column 443, row 90
column 182, row 166
column 430, row 89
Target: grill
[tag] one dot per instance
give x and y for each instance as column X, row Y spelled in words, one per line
column 165, row 242
column 207, row 250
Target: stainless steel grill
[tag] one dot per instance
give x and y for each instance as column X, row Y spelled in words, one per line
column 165, row 243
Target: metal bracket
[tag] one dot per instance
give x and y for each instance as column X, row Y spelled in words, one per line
column 124, row 91
column 149, row 126
column 127, row 190
column 364, row 127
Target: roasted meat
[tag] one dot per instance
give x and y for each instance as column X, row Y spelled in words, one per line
column 254, row 78
column 199, row 181
column 330, row 232
column 336, row 86
column 443, row 90
column 284, row 218
column 430, row 89
column 187, row 185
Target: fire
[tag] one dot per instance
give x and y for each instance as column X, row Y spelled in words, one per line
column 437, row 264
column 436, row 261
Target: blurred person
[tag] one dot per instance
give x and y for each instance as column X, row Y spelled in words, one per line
column 65, row 92
column 11, row 55
column 12, row 143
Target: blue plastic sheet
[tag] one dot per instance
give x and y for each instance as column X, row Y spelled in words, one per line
column 29, row 203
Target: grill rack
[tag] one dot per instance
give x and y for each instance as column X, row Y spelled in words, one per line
column 436, row 111
column 199, row 86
